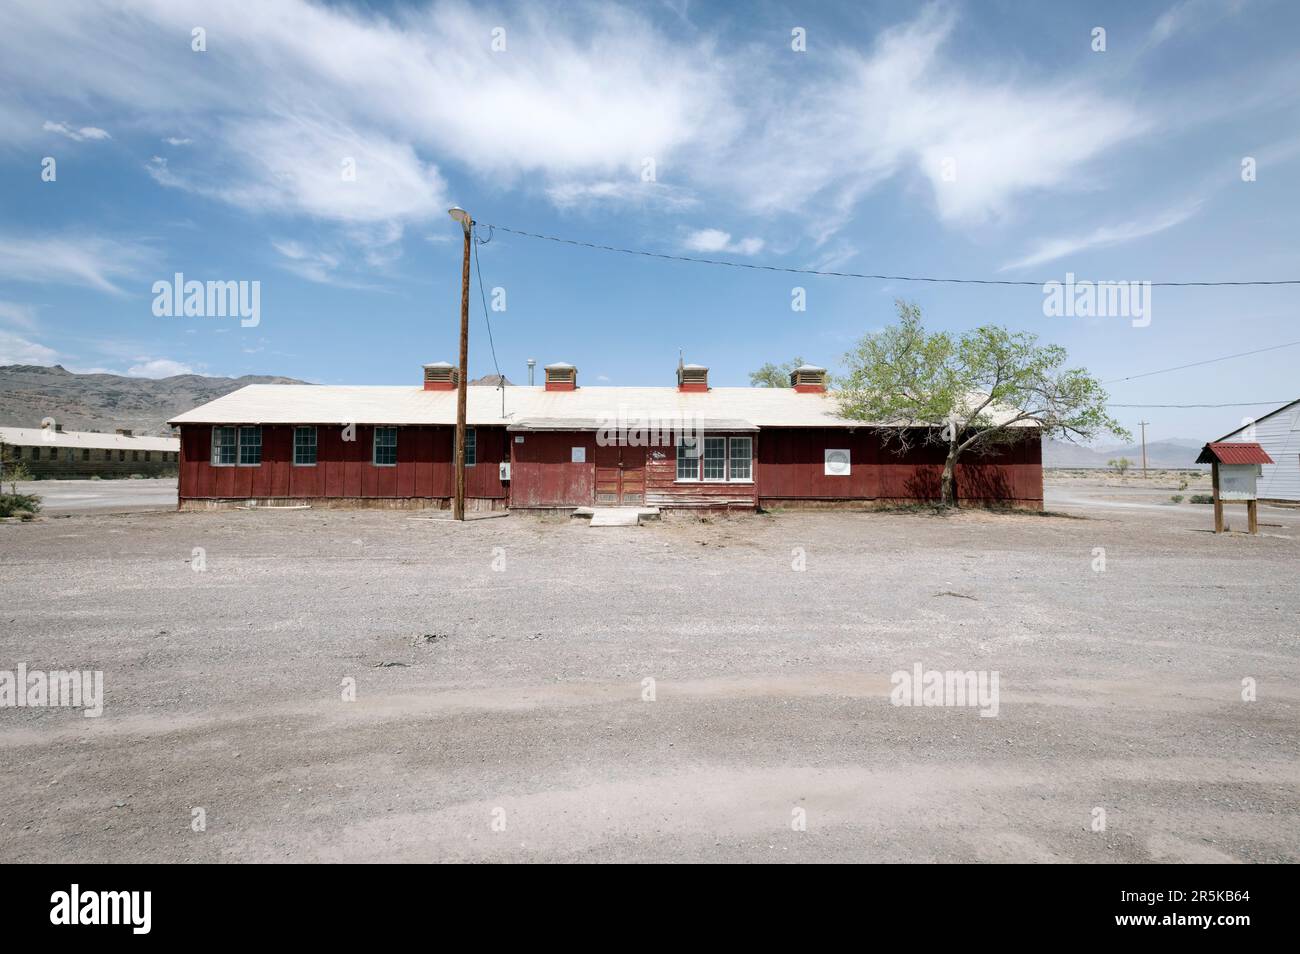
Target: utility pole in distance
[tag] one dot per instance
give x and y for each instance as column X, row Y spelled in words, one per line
column 458, row 503
column 1143, row 425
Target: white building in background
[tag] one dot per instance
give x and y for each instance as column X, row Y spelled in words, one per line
column 1278, row 432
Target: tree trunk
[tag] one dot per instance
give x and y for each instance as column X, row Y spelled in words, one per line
column 947, row 483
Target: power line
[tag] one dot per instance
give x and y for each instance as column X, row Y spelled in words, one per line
column 813, row 271
column 1241, row 404
column 483, row 297
column 1197, row 364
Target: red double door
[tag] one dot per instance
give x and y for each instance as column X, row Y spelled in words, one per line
column 620, row 475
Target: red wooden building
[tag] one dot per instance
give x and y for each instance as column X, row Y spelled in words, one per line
column 561, row 446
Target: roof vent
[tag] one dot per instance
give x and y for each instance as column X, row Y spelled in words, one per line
column 561, row 377
column 808, row 379
column 692, row 377
column 440, row 376
column 123, row 431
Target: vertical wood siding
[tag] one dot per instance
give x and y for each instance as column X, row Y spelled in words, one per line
column 543, row 474
column 792, row 462
column 343, row 468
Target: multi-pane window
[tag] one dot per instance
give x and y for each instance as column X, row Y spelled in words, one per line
column 121, row 456
column 688, row 458
column 135, row 455
column 385, row 447
column 224, row 446
column 147, row 456
column 715, row 459
column 250, row 446
column 85, row 453
column 471, row 447
column 304, row 446
column 741, row 458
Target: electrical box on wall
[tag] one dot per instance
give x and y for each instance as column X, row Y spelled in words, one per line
column 505, row 470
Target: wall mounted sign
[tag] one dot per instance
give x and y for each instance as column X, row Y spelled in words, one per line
column 578, row 455
column 837, row 462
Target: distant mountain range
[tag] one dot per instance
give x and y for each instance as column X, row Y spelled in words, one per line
column 1177, row 453
column 105, row 402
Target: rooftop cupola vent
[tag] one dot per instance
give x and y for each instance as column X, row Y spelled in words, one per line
column 692, row 377
column 809, row 379
column 441, row 376
column 561, row 377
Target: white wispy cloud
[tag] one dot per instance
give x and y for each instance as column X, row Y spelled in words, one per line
column 716, row 240
column 76, row 135
column 90, row 261
column 176, row 141
column 1051, row 249
column 146, row 367
column 15, row 349
column 18, row 314
column 907, row 109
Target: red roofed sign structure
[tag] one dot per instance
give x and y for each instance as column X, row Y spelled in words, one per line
column 1230, row 453
column 1234, row 470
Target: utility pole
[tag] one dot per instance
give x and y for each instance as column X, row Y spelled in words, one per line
column 1143, row 425
column 458, row 503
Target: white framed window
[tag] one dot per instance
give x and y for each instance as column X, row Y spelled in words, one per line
column 224, row 447
column 740, row 458
column 250, row 447
column 304, row 447
column 471, row 447
column 688, row 458
column 715, row 459
column 385, row 447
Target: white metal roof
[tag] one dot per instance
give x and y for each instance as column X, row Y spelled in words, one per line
column 47, row 437
column 331, row 404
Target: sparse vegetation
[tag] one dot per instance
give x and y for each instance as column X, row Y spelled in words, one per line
column 1120, row 465
column 1201, row 498
column 19, row 505
column 1177, row 498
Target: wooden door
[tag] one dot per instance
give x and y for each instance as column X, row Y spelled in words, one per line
column 620, row 475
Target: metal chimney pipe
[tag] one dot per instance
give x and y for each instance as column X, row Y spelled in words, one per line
column 532, row 363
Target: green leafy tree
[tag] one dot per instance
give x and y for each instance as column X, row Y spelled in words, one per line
column 1121, row 465
column 971, row 393
column 777, row 375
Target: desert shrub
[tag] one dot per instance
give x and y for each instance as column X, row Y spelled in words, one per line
column 1202, row 498
column 19, row 504
column 1177, row 498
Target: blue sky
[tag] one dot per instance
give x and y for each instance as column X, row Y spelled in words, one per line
column 983, row 140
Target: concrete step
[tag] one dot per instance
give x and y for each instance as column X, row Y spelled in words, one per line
column 617, row 516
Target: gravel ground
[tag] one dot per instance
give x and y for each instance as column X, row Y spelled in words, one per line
column 119, row 496
column 500, row 670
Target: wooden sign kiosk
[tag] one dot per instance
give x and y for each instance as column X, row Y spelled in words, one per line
column 1234, row 468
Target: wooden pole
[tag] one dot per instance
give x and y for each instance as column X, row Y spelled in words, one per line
column 458, row 504
column 1218, row 501
column 1252, row 516
column 1144, row 447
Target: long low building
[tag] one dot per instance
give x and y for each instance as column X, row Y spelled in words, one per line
column 561, row 446
column 50, row 451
